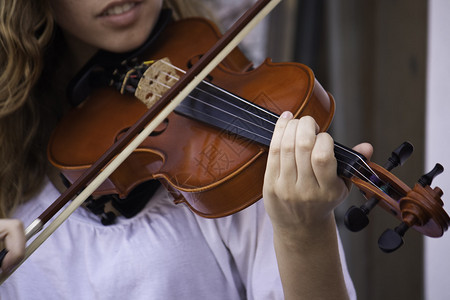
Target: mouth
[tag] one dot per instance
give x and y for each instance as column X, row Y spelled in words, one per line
column 118, row 9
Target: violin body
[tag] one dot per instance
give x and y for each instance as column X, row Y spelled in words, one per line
column 216, row 173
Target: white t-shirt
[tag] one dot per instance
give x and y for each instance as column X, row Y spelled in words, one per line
column 164, row 252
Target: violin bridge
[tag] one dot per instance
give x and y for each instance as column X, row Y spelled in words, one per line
column 156, row 80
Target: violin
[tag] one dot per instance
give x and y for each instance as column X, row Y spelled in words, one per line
column 215, row 142
column 210, row 150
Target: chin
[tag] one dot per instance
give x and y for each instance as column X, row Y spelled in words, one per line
column 125, row 43
column 123, row 48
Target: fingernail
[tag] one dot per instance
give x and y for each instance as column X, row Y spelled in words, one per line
column 286, row 115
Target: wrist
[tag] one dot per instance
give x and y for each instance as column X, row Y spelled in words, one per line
column 306, row 235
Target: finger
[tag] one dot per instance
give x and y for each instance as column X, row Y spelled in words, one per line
column 324, row 162
column 12, row 233
column 273, row 160
column 288, row 166
column 305, row 141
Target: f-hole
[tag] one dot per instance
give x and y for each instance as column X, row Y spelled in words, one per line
column 195, row 59
column 158, row 130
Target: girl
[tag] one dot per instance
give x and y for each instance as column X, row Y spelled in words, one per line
column 165, row 251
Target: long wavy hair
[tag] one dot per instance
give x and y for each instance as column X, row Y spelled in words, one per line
column 25, row 30
column 29, row 106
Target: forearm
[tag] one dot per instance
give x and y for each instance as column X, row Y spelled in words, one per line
column 309, row 262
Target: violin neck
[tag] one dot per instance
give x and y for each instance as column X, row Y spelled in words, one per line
column 217, row 107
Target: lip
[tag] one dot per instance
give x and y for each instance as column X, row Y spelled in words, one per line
column 123, row 19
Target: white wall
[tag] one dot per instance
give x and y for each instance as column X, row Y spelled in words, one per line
column 437, row 251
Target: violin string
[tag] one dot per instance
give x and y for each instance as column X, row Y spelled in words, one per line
column 357, row 173
column 360, row 159
column 380, row 184
column 231, row 104
column 240, row 108
column 220, row 109
column 354, row 170
column 364, row 165
column 360, row 162
column 234, row 125
column 350, row 156
column 226, row 112
column 226, row 92
column 377, row 181
column 236, row 106
column 347, row 153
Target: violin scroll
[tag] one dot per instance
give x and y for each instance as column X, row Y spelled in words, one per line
column 420, row 208
column 421, row 204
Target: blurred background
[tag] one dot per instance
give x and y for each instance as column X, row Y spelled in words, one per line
column 374, row 56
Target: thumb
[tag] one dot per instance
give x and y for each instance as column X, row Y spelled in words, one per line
column 365, row 149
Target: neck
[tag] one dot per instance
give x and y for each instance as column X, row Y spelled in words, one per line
column 78, row 53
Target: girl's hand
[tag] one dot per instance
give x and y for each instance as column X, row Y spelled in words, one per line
column 301, row 186
column 13, row 237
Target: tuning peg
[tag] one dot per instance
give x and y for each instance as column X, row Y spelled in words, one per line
column 399, row 156
column 392, row 239
column 356, row 217
column 428, row 178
